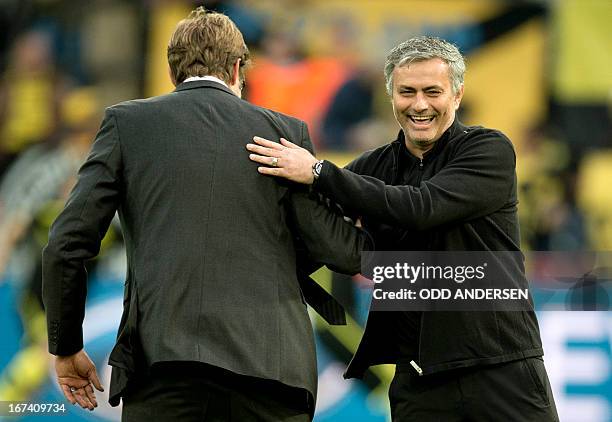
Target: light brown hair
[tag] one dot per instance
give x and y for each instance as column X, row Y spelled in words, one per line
column 206, row 43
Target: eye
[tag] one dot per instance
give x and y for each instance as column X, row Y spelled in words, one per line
column 434, row 92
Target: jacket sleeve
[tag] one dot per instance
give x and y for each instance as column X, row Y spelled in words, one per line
column 75, row 237
column 328, row 238
column 475, row 183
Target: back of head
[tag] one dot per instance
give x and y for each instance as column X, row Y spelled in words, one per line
column 206, row 43
column 425, row 48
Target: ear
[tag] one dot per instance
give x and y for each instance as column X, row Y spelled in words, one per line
column 236, row 73
column 235, row 84
column 458, row 97
column 171, row 76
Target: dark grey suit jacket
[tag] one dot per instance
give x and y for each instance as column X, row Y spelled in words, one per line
column 210, row 242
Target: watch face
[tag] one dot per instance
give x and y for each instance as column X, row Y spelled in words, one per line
column 317, row 168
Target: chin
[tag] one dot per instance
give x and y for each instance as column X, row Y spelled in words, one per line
column 420, row 139
column 422, row 142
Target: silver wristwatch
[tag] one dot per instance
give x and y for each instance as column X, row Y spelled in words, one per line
column 316, row 169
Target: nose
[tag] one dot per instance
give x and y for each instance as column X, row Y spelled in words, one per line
column 420, row 103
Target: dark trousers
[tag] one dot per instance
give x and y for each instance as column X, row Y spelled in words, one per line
column 512, row 391
column 190, row 392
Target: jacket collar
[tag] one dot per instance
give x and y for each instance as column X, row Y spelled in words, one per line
column 202, row 84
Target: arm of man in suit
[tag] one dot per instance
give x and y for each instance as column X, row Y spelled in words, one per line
column 75, row 237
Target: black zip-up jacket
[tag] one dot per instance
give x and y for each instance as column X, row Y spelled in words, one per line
column 462, row 196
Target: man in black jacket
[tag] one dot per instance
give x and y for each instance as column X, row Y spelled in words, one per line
column 215, row 325
column 440, row 186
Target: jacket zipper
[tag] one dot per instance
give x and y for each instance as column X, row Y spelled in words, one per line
column 416, row 368
column 420, row 174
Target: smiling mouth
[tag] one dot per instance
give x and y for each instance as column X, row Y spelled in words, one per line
column 421, row 119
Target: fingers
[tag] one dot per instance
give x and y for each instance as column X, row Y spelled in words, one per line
column 268, row 152
column 93, row 378
column 68, row 394
column 266, row 143
column 288, row 144
column 86, row 399
column 271, row 171
column 82, row 398
column 89, row 393
column 75, row 375
column 261, row 159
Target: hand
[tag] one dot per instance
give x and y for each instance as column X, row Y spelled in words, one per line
column 292, row 162
column 75, row 375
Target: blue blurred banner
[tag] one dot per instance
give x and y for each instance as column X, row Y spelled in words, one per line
column 578, row 347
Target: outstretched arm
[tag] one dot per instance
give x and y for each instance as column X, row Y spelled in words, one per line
column 476, row 182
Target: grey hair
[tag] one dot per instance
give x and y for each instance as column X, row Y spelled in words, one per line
column 425, row 48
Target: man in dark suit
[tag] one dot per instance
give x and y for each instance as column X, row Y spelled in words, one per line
column 215, row 325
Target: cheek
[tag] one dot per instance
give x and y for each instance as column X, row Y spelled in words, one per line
column 397, row 109
column 447, row 106
column 400, row 103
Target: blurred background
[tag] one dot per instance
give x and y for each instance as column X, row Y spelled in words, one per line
column 540, row 71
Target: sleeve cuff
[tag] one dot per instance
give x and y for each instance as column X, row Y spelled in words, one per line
column 319, row 184
column 63, row 340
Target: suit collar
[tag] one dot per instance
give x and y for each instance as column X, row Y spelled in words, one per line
column 202, row 84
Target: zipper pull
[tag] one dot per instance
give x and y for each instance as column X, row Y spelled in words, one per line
column 421, row 164
column 416, row 368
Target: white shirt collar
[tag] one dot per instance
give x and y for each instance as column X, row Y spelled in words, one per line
column 206, row 78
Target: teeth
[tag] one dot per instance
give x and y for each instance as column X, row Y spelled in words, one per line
column 421, row 118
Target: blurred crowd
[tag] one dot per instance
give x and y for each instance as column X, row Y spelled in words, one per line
column 62, row 62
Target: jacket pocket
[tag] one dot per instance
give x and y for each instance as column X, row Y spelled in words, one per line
column 537, row 373
column 126, row 353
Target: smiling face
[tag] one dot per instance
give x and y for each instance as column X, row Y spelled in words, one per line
column 424, row 103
